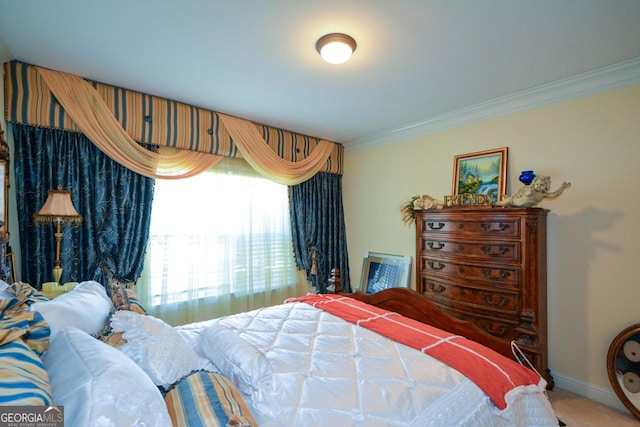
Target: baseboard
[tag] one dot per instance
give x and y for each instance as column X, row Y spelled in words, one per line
column 590, row 391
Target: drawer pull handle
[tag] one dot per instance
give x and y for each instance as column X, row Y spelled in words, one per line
column 501, row 227
column 501, row 331
column 504, row 274
column 489, row 250
column 438, row 267
column 501, row 302
column 436, row 246
column 440, row 289
column 434, row 226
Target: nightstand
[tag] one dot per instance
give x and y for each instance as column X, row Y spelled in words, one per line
column 53, row 289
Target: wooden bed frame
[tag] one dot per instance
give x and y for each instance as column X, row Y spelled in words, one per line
column 412, row 304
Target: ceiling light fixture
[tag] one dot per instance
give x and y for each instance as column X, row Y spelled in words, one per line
column 336, row 48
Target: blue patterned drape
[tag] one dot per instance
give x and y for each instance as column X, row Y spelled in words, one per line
column 317, row 221
column 115, row 204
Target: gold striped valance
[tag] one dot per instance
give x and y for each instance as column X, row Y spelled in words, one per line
column 149, row 119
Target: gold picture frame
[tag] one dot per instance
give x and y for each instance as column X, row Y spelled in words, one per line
column 482, row 172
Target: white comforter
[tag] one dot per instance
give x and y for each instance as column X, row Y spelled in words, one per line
column 324, row 371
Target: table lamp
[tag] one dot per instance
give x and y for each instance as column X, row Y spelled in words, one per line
column 58, row 209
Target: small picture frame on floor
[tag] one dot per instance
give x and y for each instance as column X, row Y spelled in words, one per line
column 382, row 271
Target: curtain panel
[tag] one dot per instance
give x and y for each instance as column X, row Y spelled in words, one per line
column 115, row 204
column 151, row 120
column 318, row 229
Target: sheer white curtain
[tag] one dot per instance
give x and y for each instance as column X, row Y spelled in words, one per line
column 220, row 243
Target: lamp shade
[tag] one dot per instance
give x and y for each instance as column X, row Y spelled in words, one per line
column 336, row 48
column 58, row 208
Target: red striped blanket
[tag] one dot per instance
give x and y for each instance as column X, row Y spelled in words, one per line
column 494, row 373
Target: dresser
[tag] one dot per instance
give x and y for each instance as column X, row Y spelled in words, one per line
column 488, row 266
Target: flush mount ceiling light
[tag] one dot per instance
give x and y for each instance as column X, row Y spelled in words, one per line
column 336, row 48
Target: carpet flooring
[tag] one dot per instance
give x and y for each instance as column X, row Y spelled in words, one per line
column 577, row 411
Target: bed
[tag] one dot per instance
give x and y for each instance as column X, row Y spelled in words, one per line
column 334, row 360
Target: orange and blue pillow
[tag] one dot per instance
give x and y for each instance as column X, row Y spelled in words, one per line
column 23, row 378
column 207, row 399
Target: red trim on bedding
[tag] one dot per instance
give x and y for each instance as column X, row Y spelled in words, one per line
column 494, row 373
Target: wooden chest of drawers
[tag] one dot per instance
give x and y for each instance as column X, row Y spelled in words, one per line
column 488, row 266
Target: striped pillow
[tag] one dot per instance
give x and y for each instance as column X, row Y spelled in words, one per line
column 207, row 399
column 134, row 302
column 23, row 378
column 15, row 315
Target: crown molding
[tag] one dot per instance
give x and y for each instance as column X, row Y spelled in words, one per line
column 615, row 76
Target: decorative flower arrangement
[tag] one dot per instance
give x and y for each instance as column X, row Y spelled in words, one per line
column 407, row 211
column 425, row 201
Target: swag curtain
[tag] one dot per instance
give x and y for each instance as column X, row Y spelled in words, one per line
column 91, row 114
column 89, row 111
column 147, row 119
column 114, row 201
column 268, row 163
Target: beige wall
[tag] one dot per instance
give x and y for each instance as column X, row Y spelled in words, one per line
column 593, row 229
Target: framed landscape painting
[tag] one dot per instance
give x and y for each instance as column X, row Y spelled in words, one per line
column 483, row 172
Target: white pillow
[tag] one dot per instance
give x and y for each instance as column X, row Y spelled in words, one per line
column 246, row 366
column 100, row 386
column 156, row 347
column 86, row 307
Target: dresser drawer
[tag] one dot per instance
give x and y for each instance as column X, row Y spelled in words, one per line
column 487, row 266
column 501, row 302
column 508, row 227
column 443, row 247
column 500, row 275
column 500, row 328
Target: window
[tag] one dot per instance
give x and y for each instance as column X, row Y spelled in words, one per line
column 223, row 232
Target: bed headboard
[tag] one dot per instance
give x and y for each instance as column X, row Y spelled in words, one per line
column 412, row 304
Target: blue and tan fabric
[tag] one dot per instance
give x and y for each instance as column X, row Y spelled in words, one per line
column 149, row 119
column 16, row 321
column 23, row 378
column 209, row 400
column 134, row 302
column 27, row 293
column 23, row 336
column 118, row 292
column 118, row 295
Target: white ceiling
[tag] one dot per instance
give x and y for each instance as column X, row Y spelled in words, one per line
column 417, row 61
